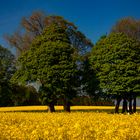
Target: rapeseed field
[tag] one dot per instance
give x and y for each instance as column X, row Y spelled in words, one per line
column 69, row 126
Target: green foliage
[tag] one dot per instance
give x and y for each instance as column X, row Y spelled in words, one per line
column 24, row 95
column 7, row 68
column 116, row 61
column 5, row 94
column 50, row 60
column 89, row 80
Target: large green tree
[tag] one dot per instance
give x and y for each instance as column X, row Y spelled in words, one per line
column 33, row 25
column 50, row 60
column 116, row 61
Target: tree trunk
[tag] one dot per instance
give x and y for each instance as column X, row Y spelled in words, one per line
column 130, row 106
column 124, row 109
column 134, row 105
column 51, row 107
column 117, row 105
column 67, row 107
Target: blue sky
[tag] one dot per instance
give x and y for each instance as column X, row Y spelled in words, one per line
column 93, row 17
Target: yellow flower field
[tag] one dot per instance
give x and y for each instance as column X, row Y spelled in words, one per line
column 59, row 108
column 69, row 126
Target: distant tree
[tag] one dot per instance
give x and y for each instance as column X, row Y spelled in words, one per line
column 5, row 94
column 7, row 66
column 50, row 60
column 116, row 61
column 7, row 69
column 128, row 26
column 89, row 80
column 24, row 95
column 34, row 25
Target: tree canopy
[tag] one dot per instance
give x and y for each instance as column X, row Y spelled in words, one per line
column 128, row 26
column 50, row 60
column 7, row 67
column 56, row 56
column 116, row 61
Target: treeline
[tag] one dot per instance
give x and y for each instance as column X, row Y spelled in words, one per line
column 57, row 64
